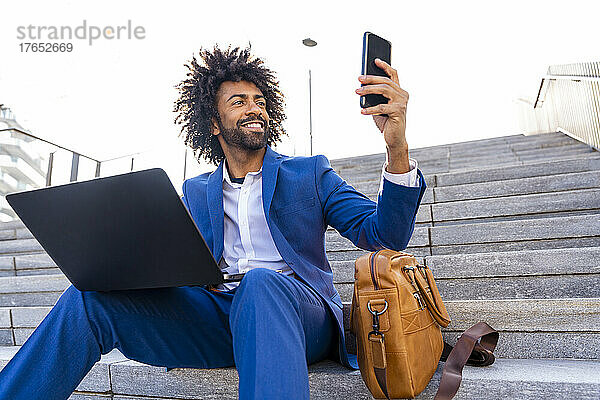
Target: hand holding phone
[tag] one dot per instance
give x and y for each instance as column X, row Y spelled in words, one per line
column 374, row 47
column 384, row 99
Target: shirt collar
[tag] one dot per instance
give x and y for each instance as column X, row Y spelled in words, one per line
column 250, row 176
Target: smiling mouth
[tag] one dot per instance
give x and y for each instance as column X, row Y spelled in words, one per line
column 254, row 125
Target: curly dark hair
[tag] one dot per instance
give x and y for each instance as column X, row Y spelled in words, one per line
column 196, row 105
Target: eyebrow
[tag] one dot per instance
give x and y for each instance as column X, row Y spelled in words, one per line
column 245, row 96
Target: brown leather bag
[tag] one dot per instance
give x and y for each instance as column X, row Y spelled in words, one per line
column 396, row 316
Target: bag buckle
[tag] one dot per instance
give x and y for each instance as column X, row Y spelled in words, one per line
column 376, row 315
column 376, row 333
column 375, row 312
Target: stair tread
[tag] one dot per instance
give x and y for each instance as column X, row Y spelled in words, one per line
column 117, row 375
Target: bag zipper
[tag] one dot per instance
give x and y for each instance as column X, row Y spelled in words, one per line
column 372, row 261
column 418, row 298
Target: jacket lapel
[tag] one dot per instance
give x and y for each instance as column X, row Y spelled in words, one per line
column 214, row 197
column 271, row 164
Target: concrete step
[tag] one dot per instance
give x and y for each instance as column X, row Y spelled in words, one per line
column 482, row 210
column 508, row 235
column 514, row 274
column 552, row 273
column 552, row 322
column 519, row 234
column 507, row 187
column 457, row 150
column 514, row 287
column 530, row 234
column 491, row 264
column 531, row 328
column 17, row 233
column 515, row 157
column 19, row 246
column 482, row 163
column 335, row 242
column 489, row 171
column 517, row 148
column 590, row 162
column 512, row 207
column 463, row 150
column 16, row 224
column 122, row 379
column 34, row 290
column 520, row 186
column 515, row 140
column 27, row 264
column 527, row 144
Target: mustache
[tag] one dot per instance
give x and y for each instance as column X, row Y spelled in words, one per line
column 251, row 119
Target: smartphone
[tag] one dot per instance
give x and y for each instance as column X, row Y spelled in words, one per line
column 374, row 47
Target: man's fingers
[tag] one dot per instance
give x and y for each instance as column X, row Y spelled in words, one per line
column 385, row 90
column 389, row 91
column 368, row 80
column 392, row 73
column 380, row 109
column 376, row 79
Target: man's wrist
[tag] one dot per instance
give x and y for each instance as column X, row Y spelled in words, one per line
column 397, row 159
column 410, row 179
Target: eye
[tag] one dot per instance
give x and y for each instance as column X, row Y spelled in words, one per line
column 261, row 103
column 237, row 102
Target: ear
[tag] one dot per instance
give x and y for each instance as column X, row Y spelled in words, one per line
column 215, row 127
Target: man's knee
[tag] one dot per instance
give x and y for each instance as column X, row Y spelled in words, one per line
column 77, row 300
column 70, row 298
column 260, row 277
column 264, row 288
column 261, row 283
column 88, row 307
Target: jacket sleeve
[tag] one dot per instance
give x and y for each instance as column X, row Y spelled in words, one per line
column 370, row 226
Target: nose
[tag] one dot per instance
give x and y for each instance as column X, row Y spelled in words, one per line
column 253, row 108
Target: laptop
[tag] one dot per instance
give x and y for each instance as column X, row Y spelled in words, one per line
column 129, row 231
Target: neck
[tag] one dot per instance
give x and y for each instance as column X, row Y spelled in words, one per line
column 240, row 162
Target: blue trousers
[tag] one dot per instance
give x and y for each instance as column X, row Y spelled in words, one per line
column 270, row 327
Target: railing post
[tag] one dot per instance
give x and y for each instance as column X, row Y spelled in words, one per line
column 184, row 163
column 97, row 175
column 49, row 173
column 74, row 167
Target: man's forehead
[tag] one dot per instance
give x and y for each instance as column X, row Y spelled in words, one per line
column 230, row 88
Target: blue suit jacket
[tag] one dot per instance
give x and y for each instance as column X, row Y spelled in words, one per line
column 301, row 197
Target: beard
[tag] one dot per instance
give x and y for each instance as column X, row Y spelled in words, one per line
column 238, row 137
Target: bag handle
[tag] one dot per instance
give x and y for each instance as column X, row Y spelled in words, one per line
column 432, row 297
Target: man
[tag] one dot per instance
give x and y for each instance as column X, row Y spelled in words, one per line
column 262, row 214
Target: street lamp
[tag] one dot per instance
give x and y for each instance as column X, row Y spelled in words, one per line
column 308, row 42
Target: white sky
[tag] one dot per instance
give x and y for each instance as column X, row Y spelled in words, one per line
column 463, row 62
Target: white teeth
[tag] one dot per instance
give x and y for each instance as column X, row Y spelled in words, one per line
column 254, row 125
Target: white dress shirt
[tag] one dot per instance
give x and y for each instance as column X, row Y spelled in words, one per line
column 247, row 239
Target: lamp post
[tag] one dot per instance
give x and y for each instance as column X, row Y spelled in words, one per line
column 310, row 43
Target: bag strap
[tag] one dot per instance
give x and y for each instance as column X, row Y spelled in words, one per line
column 379, row 362
column 474, row 347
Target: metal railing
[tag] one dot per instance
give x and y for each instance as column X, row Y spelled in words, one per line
column 182, row 162
column 29, row 162
column 53, row 148
column 568, row 101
